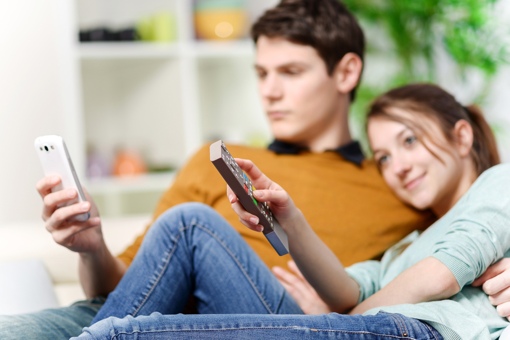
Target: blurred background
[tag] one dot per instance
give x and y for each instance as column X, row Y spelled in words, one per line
column 135, row 87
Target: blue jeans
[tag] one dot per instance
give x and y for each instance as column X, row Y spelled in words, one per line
column 50, row 324
column 191, row 250
column 267, row 326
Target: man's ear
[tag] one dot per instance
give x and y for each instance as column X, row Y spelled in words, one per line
column 347, row 72
column 463, row 134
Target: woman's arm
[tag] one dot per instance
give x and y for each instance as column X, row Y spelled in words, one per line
column 464, row 243
column 427, row 280
column 315, row 260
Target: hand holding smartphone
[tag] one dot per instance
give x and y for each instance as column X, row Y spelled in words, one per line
column 55, row 160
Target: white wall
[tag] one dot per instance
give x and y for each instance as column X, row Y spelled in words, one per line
column 34, row 98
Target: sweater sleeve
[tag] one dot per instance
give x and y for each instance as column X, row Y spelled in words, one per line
column 479, row 234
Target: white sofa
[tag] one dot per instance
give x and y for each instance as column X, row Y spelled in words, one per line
column 37, row 273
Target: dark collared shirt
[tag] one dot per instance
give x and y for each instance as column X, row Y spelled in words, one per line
column 351, row 151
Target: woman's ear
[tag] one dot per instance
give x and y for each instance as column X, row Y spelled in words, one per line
column 347, row 72
column 463, row 134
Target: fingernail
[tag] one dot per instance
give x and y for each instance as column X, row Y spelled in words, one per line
column 254, row 220
column 84, row 206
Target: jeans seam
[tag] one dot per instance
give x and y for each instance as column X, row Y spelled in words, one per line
column 432, row 330
column 167, row 258
column 247, row 328
column 237, row 261
column 400, row 324
column 404, row 330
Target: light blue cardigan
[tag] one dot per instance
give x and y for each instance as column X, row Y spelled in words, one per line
column 474, row 234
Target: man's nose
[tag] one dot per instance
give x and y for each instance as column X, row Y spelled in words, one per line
column 271, row 87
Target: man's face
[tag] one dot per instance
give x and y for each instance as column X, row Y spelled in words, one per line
column 299, row 97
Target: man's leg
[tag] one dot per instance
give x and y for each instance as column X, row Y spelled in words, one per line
column 192, row 250
column 50, row 324
column 249, row 326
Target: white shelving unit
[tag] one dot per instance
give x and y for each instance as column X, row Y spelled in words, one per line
column 163, row 100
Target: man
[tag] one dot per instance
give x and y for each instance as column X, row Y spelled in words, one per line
column 309, row 59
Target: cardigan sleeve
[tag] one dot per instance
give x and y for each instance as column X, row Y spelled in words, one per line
column 367, row 275
column 479, row 234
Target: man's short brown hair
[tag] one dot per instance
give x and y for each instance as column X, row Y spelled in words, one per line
column 325, row 25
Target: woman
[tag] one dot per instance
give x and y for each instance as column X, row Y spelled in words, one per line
column 430, row 151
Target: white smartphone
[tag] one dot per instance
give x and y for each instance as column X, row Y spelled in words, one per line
column 55, row 160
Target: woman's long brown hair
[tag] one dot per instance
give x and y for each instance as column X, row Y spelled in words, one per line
column 432, row 102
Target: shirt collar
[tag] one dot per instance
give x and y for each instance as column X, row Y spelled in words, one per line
column 351, row 151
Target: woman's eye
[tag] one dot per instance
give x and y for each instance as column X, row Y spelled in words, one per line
column 381, row 161
column 410, row 140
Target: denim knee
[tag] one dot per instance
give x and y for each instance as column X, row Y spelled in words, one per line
column 180, row 217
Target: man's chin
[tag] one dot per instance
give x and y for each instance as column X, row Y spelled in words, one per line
column 283, row 134
column 285, row 138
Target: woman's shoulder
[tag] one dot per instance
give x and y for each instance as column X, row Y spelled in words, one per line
column 496, row 171
column 494, row 179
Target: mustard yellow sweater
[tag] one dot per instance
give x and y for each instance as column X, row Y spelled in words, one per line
column 348, row 206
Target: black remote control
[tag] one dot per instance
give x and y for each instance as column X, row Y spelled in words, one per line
column 242, row 187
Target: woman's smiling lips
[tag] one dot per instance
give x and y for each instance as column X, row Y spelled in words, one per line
column 410, row 185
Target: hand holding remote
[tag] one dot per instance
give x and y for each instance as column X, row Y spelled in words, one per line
column 266, row 191
column 251, row 204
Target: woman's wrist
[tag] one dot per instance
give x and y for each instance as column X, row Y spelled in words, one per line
column 295, row 222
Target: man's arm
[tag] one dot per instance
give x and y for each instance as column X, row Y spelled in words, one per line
column 99, row 271
column 427, row 280
column 495, row 283
column 193, row 183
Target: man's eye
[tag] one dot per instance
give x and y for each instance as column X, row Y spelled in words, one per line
column 292, row 71
column 261, row 75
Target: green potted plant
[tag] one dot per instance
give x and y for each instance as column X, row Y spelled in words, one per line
column 412, row 34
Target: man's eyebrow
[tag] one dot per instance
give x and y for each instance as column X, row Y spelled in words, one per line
column 285, row 65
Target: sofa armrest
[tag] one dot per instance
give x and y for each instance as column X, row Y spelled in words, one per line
column 25, row 286
column 30, row 241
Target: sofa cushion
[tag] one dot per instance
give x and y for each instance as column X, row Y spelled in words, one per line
column 25, row 286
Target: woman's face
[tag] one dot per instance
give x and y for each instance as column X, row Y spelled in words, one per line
column 418, row 171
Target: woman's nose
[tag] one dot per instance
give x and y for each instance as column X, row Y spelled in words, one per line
column 401, row 167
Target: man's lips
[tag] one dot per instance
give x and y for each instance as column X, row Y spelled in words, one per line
column 410, row 185
column 276, row 114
